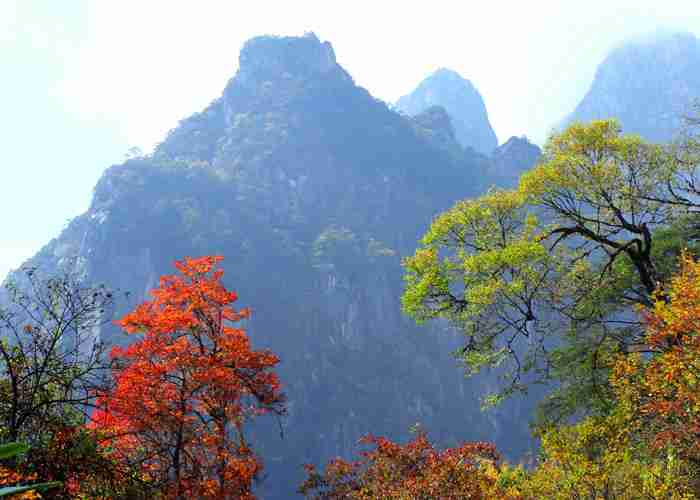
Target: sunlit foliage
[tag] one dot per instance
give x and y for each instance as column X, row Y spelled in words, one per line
column 545, row 278
column 184, row 392
column 412, row 471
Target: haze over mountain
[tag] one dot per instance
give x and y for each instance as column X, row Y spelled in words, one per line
column 647, row 84
column 98, row 93
column 312, row 190
column 463, row 103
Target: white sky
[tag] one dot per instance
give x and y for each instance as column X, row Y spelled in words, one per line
column 82, row 81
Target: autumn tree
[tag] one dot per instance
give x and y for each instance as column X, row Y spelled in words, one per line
column 52, row 364
column 648, row 446
column 664, row 388
column 186, row 388
column 415, row 471
column 544, row 279
column 600, row 457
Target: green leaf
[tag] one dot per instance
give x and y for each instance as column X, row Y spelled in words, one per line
column 10, row 450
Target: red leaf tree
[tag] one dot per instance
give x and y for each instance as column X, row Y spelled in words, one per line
column 415, row 471
column 183, row 393
column 664, row 389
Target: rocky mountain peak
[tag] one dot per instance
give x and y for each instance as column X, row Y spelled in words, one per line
column 313, row 190
column 515, row 146
column 463, row 103
column 269, row 58
column 666, row 48
column 280, row 81
column 648, row 84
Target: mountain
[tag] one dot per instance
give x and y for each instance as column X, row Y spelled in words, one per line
column 511, row 159
column 647, row 84
column 313, row 191
column 462, row 102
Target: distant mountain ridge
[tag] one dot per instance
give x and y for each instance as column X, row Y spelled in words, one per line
column 647, row 84
column 461, row 100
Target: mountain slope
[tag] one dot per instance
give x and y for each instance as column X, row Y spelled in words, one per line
column 312, row 190
column 462, row 102
column 648, row 85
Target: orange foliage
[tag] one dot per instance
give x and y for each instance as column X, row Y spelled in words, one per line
column 9, row 477
column 665, row 390
column 184, row 391
column 412, row 471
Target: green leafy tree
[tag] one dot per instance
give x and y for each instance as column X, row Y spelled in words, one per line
column 543, row 279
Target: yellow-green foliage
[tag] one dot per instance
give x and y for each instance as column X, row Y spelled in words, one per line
column 490, row 247
column 599, row 458
column 595, row 164
column 573, row 246
column 479, row 261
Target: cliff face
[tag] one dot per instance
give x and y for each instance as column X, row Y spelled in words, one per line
column 312, row 190
column 462, row 102
column 648, row 85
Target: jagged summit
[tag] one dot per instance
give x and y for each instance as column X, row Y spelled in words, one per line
column 275, row 70
column 464, row 104
column 269, row 58
column 648, row 83
column 281, row 82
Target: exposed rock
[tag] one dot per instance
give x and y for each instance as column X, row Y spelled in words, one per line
column 462, row 102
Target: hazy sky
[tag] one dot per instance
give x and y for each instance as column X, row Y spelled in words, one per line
column 82, row 81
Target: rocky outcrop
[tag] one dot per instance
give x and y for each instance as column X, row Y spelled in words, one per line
column 648, row 85
column 312, row 190
column 462, row 102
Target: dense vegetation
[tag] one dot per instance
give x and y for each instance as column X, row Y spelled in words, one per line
column 164, row 417
column 579, row 286
column 583, row 277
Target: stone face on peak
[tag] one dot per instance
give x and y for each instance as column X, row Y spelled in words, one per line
column 647, row 84
column 463, row 103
